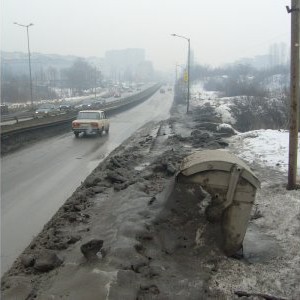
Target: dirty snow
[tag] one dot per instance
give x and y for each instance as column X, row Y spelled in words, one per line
column 272, row 241
column 200, row 97
column 267, row 147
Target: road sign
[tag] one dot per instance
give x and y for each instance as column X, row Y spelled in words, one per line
column 185, row 76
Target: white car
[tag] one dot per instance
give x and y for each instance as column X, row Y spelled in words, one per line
column 90, row 121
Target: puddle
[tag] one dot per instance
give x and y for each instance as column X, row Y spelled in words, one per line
column 259, row 247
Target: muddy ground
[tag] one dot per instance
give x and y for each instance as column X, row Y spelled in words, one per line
column 130, row 232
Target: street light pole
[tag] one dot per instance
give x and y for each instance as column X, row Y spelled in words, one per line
column 29, row 59
column 188, row 69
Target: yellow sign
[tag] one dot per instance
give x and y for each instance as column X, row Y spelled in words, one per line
column 185, row 76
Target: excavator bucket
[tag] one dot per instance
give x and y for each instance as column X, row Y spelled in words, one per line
column 232, row 186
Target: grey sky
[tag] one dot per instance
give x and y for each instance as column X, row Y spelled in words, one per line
column 220, row 30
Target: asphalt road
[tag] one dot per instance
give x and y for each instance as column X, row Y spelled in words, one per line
column 37, row 180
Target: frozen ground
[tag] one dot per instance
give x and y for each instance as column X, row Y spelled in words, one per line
column 148, row 226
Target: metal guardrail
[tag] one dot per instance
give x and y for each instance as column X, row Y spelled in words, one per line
column 116, row 103
column 16, row 117
column 130, row 99
column 108, row 107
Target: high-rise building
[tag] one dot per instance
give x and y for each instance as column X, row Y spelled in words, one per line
column 122, row 64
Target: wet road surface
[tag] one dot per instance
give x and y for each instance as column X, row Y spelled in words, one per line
column 37, row 180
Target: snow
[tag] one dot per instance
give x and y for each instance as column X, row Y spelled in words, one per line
column 273, row 238
column 223, row 125
column 267, row 147
column 200, row 97
column 224, row 112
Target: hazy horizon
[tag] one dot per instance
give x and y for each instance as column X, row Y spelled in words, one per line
column 220, row 32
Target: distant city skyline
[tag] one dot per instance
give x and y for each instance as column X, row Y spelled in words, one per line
column 118, row 60
column 220, row 31
column 118, row 65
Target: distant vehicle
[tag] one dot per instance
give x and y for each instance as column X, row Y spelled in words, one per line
column 88, row 104
column 117, row 94
column 90, row 121
column 98, row 103
column 65, row 107
column 170, row 89
column 46, row 110
column 162, row 91
column 4, row 109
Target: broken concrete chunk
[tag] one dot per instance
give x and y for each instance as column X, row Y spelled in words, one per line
column 91, row 248
column 27, row 260
column 115, row 177
column 171, row 170
column 120, row 186
column 114, row 161
column 98, row 189
column 46, row 261
column 91, row 181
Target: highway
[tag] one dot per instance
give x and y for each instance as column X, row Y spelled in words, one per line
column 11, row 118
column 37, row 180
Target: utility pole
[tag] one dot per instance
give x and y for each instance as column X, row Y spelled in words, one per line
column 294, row 94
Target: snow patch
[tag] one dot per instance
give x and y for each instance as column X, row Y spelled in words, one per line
column 269, row 147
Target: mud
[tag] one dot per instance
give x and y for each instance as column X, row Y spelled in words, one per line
column 131, row 232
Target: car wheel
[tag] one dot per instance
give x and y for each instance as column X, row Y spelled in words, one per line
column 76, row 134
column 101, row 131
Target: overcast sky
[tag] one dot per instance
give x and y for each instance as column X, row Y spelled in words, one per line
column 221, row 31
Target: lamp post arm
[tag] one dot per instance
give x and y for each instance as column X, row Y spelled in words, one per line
column 181, row 36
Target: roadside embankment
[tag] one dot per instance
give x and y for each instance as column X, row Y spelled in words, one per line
column 129, row 232
column 121, row 232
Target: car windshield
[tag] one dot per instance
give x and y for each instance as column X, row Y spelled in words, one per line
column 88, row 115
